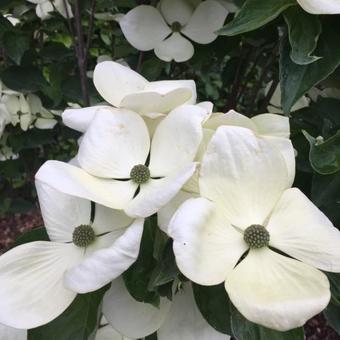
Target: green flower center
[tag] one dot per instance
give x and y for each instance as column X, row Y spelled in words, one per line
column 140, row 174
column 83, row 236
column 176, row 26
column 256, row 236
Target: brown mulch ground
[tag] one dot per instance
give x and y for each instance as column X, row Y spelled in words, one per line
column 14, row 225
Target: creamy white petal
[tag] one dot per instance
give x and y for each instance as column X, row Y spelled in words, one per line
column 31, row 280
column 114, row 81
column 80, row 119
column 144, row 27
column 176, row 140
column 114, row 143
column 106, row 219
column 232, row 118
column 61, row 212
column 45, row 123
column 108, row 333
column 104, row 265
column 298, row 228
column 157, row 192
column 176, row 47
column 285, row 147
column 176, row 11
column 208, row 106
column 276, row 291
column 243, row 174
column 10, row 333
column 130, row 317
column 147, row 102
column 185, row 321
column 44, row 9
column 208, row 17
column 272, row 125
column 206, row 246
column 320, row 6
column 166, row 213
column 64, row 11
column 75, row 181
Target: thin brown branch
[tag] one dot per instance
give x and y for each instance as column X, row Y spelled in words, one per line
column 90, row 28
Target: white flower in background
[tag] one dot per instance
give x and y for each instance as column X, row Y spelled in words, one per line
column 329, row 92
column 166, row 29
column 44, row 8
column 246, row 208
column 275, row 102
column 106, row 332
column 124, row 88
column 39, row 280
column 179, row 319
column 123, row 168
column 9, row 333
column 13, row 20
column 320, row 6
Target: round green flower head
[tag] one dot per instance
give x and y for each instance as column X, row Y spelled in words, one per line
column 176, row 26
column 83, row 236
column 140, row 174
column 256, row 236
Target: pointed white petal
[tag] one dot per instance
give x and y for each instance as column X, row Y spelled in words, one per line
column 106, row 219
column 130, row 317
column 80, row 119
column 176, row 47
column 45, row 123
column 108, row 333
column 205, row 245
column 64, row 11
column 166, row 213
column 176, row 11
column 185, row 321
column 320, row 6
column 61, row 212
column 208, row 17
column 277, row 292
column 44, row 9
column 272, row 125
column 243, row 174
column 298, row 228
column 113, row 144
column 158, row 192
column 169, row 154
column 31, row 280
column 144, row 27
column 10, row 333
column 104, row 265
column 77, row 182
column 114, row 81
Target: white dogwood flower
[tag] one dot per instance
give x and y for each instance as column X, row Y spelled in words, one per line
column 10, row 333
column 123, row 168
column 88, row 249
column 179, row 319
column 320, row 6
column 44, row 8
column 246, row 212
column 166, row 29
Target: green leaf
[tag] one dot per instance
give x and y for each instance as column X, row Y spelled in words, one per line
column 38, row 234
column 334, row 280
column 213, row 303
column 137, row 277
column 304, row 30
column 331, row 314
column 324, row 157
column 78, row 322
column 23, row 79
column 295, row 79
column 254, row 14
column 16, row 44
column 243, row 329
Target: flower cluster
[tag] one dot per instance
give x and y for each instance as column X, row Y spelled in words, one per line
column 44, row 8
column 220, row 185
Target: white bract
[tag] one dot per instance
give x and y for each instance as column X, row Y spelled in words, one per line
column 245, row 208
column 165, row 29
column 44, row 8
column 39, row 280
column 320, row 6
column 123, row 168
column 179, row 319
column 10, row 333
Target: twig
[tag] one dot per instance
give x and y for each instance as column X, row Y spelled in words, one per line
column 90, row 28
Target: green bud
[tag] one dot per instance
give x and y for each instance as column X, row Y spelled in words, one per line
column 256, row 236
column 140, row 174
column 83, row 236
column 176, row 26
